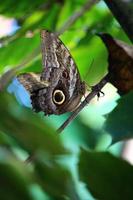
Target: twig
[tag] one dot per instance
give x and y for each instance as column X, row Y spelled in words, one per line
column 95, row 90
column 5, row 78
column 123, row 11
column 77, row 15
column 30, row 158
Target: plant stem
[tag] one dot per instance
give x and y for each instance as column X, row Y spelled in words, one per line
column 123, row 11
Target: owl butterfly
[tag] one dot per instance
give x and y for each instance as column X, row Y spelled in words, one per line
column 58, row 88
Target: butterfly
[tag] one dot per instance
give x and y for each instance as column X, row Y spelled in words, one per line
column 58, row 88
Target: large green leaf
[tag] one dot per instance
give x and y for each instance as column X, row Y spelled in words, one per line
column 15, row 180
column 119, row 122
column 56, row 179
column 17, row 51
column 28, row 129
column 106, row 176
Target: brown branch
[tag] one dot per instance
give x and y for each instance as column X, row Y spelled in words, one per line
column 95, row 90
column 77, row 15
column 5, row 78
column 123, row 11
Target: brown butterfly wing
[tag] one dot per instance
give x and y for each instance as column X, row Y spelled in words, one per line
column 31, row 82
column 58, row 89
column 60, row 70
column 120, row 60
column 56, row 55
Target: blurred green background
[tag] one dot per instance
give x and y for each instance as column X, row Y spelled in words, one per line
column 80, row 163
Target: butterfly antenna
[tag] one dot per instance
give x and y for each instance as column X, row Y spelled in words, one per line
column 89, row 69
column 88, row 87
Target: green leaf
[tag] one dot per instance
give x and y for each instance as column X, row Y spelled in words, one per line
column 19, row 9
column 17, row 51
column 119, row 122
column 14, row 178
column 55, row 178
column 17, row 47
column 106, row 176
column 5, row 140
column 28, row 129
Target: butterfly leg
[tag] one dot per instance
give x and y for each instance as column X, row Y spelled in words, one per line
column 99, row 92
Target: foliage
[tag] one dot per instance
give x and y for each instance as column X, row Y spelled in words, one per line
column 106, row 176
column 61, row 165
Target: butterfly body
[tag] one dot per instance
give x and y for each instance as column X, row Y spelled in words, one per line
column 61, row 88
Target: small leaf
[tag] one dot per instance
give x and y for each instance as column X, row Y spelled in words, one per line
column 119, row 122
column 107, row 177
